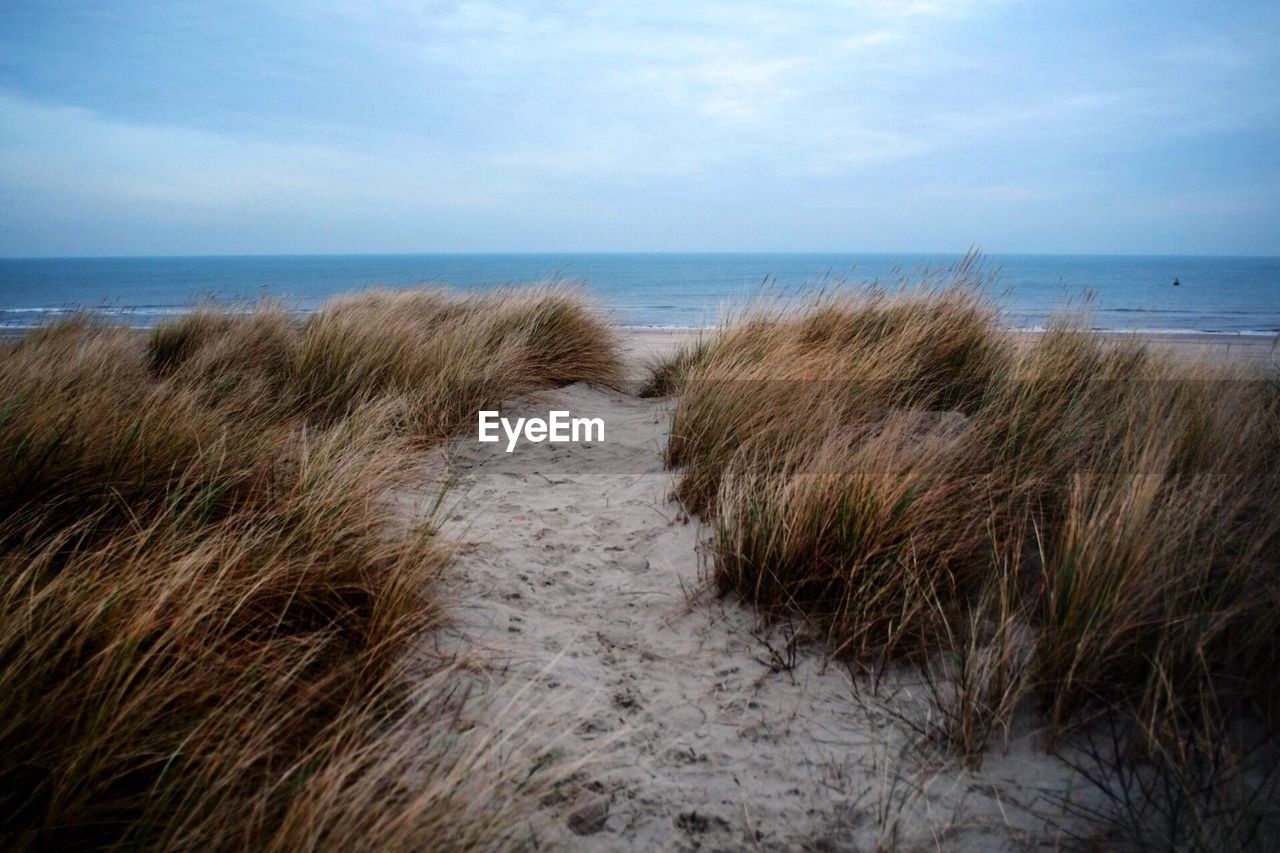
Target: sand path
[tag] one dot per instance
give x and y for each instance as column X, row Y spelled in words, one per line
column 579, row 580
column 577, row 570
column 574, row 576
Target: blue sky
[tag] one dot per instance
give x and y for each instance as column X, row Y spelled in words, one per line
column 574, row 125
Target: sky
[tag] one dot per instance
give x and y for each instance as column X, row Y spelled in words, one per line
column 351, row 126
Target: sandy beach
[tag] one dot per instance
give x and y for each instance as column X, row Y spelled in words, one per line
column 639, row 346
column 580, row 581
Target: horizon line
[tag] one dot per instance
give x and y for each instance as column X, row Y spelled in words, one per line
column 643, row 252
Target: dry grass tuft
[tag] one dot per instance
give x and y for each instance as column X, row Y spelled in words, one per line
column 844, row 362
column 666, row 374
column 475, row 349
column 205, row 599
column 1064, row 518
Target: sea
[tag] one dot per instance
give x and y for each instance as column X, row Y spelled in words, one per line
column 1139, row 293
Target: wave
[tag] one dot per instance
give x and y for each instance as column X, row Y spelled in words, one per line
column 1198, row 322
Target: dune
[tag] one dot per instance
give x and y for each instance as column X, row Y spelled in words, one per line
column 589, row 688
column 578, row 580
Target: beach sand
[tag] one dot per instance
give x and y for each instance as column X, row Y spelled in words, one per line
column 640, row 345
column 578, row 581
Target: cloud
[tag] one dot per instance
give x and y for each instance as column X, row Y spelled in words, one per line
column 870, row 39
column 414, row 124
column 921, row 8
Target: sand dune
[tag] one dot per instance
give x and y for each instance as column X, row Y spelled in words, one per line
column 685, row 722
column 578, row 579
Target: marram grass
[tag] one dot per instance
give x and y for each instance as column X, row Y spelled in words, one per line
column 885, row 463
column 205, row 597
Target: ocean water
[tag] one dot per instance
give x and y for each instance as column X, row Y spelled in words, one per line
column 1226, row 295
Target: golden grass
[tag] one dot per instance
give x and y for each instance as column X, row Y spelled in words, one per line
column 205, row 595
column 666, row 374
column 1084, row 524
column 891, row 465
column 476, row 349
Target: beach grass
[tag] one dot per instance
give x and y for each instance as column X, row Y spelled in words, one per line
column 1062, row 519
column 206, row 595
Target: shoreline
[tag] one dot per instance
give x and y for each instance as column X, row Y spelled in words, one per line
column 661, row 338
column 12, row 331
column 641, row 345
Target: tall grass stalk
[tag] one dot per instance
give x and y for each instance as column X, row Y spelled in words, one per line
column 1058, row 515
column 207, row 600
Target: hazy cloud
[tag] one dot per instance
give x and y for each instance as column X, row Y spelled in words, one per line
column 574, row 124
